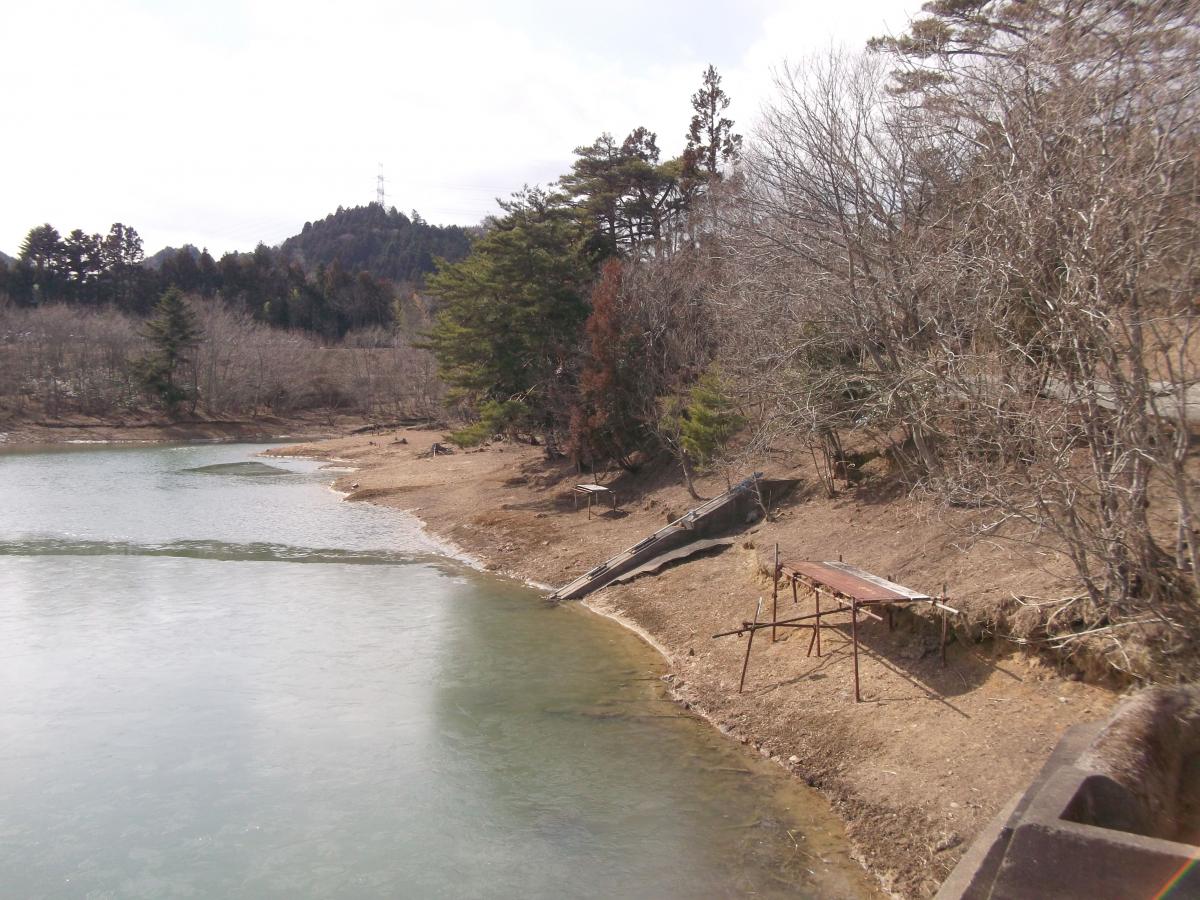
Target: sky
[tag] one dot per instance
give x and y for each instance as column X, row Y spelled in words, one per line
column 227, row 123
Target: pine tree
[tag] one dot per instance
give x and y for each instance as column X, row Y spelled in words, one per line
column 711, row 141
column 605, row 422
column 622, row 192
column 173, row 331
column 43, row 255
column 514, row 311
column 709, row 420
column 121, row 252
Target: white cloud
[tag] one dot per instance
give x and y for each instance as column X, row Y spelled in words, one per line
column 236, row 122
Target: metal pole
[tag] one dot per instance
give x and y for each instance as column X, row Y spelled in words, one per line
column 854, row 633
column 943, row 644
column 748, row 626
column 945, row 621
column 749, row 644
column 775, row 593
column 817, row 597
column 816, row 635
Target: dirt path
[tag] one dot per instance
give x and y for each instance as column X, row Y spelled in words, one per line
column 917, row 768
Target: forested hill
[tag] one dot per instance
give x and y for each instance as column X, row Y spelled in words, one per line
column 384, row 242
column 5, row 259
column 357, row 268
column 166, row 254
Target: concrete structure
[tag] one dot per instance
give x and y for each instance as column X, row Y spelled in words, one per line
column 1078, row 833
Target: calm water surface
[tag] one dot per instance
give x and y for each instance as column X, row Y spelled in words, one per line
column 219, row 680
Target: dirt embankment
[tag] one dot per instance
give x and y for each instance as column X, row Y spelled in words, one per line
column 29, row 432
column 918, row 767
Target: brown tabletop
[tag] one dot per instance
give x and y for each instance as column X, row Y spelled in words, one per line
column 852, row 582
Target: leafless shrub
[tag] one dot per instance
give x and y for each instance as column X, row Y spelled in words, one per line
column 829, row 295
column 56, row 359
column 994, row 278
column 59, row 360
column 664, row 305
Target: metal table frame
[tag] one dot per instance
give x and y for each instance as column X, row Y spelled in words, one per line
column 851, row 589
column 592, row 491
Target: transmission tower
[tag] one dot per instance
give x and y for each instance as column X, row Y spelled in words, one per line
column 380, row 195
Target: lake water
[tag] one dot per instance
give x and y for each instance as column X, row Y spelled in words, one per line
column 217, row 679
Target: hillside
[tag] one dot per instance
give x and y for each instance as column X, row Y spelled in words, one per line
column 157, row 260
column 918, row 767
column 353, row 269
column 386, row 243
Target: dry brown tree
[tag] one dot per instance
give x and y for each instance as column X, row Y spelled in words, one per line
column 832, row 252
column 1075, row 239
column 987, row 263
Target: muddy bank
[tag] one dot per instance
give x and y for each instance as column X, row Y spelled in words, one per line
column 915, row 770
column 18, row 433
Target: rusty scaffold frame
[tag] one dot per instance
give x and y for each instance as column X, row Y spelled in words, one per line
column 851, row 589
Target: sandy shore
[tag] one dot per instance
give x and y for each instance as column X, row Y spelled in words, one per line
column 916, row 769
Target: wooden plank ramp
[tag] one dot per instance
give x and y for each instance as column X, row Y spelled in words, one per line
column 720, row 512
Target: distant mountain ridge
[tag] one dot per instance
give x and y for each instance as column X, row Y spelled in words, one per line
column 156, row 261
column 384, row 242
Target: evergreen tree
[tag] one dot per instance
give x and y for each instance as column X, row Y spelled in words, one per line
column 709, row 420
column 83, row 266
column 605, row 423
column 210, row 278
column 173, row 331
column 124, row 280
column 514, row 311
column 43, row 255
column 622, row 192
column 594, row 183
column 182, row 269
column 711, row 141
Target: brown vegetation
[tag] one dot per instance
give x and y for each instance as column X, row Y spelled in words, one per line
column 58, row 362
column 987, row 276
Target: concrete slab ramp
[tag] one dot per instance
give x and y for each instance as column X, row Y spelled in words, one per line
column 729, row 511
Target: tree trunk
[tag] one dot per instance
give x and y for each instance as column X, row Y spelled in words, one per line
column 686, row 466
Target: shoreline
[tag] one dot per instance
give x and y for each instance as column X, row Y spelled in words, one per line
column 913, row 773
column 32, row 434
column 593, row 606
column 596, row 606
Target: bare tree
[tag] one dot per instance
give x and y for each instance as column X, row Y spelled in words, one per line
column 1078, row 226
column 832, row 259
column 989, row 270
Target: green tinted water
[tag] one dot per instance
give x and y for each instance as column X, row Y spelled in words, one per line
column 219, row 680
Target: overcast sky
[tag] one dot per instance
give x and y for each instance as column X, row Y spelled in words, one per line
column 227, row 123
